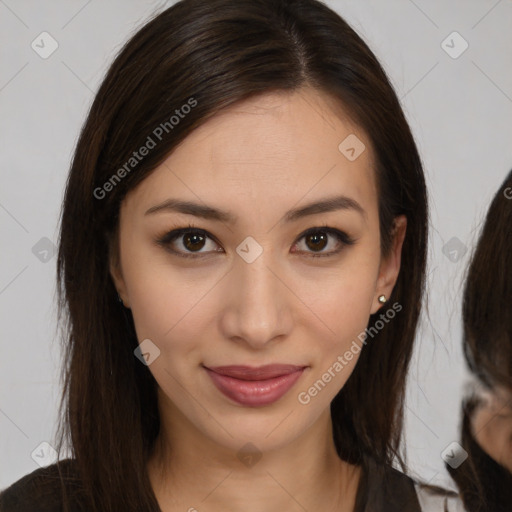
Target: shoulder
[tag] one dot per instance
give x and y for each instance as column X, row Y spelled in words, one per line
column 389, row 489
column 437, row 499
column 43, row 489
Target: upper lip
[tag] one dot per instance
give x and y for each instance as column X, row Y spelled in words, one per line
column 269, row 371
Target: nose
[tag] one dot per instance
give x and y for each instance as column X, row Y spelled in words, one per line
column 257, row 307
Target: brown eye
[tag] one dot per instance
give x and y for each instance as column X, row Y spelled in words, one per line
column 188, row 242
column 317, row 239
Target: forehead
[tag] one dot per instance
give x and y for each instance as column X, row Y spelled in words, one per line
column 280, row 146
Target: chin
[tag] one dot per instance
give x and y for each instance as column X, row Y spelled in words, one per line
column 265, row 428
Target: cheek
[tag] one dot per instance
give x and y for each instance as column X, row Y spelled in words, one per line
column 342, row 299
column 342, row 304
column 159, row 301
column 344, row 313
column 167, row 310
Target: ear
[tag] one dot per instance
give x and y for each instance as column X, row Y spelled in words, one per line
column 116, row 271
column 390, row 266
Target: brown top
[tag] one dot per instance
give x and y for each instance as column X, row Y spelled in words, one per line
column 382, row 489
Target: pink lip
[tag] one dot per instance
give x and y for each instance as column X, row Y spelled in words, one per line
column 255, row 387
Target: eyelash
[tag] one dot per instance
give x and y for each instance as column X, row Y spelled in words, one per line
column 170, row 236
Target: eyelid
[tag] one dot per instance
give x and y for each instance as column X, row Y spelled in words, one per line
column 176, row 232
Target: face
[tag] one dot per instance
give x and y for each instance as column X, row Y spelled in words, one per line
column 251, row 312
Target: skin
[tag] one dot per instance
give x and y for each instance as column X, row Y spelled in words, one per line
column 492, row 425
column 258, row 160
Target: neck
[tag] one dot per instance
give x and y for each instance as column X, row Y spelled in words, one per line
column 190, row 472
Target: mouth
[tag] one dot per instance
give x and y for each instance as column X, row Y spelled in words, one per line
column 255, row 386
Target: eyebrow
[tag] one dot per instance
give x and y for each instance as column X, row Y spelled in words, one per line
column 329, row 204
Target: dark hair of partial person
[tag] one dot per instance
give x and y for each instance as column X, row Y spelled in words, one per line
column 220, row 52
column 485, row 485
column 486, row 309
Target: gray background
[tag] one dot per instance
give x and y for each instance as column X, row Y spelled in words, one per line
column 459, row 109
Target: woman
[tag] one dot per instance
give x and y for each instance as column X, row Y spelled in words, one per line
column 267, row 371
column 485, row 478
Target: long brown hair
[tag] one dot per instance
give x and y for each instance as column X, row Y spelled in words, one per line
column 486, row 309
column 219, row 52
column 485, row 485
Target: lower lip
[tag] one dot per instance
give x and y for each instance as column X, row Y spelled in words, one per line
column 254, row 393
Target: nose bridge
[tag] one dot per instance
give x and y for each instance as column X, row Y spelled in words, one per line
column 257, row 302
